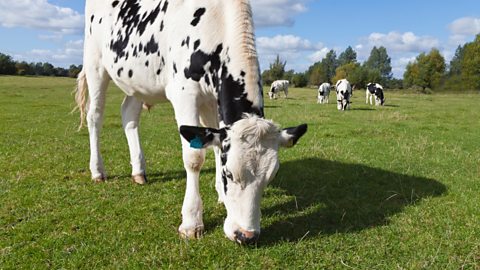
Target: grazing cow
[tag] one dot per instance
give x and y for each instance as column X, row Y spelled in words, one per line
column 344, row 93
column 200, row 56
column 374, row 90
column 324, row 93
column 277, row 87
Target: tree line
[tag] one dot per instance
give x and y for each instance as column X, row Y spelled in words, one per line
column 428, row 72
column 10, row 67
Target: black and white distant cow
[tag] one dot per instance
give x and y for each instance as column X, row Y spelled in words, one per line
column 374, row 90
column 277, row 87
column 344, row 93
column 324, row 93
column 200, row 56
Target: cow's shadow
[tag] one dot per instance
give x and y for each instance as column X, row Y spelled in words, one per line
column 326, row 197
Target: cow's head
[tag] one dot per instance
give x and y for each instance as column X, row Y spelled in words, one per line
column 249, row 155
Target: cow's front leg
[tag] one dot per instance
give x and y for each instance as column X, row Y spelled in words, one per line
column 131, row 110
column 192, row 209
column 187, row 113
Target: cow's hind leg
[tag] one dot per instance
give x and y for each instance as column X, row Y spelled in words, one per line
column 131, row 110
column 97, row 80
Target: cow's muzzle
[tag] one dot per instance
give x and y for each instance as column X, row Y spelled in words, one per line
column 246, row 237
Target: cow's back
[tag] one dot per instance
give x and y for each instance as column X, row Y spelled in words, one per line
column 145, row 47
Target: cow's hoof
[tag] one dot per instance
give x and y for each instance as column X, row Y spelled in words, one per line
column 99, row 179
column 194, row 233
column 140, row 179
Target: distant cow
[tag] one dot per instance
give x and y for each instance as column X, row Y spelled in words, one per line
column 324, row 93
column 374, row 90
column 277, row 87
column 344, row 93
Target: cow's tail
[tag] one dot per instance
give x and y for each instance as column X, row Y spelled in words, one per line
column 81, row 97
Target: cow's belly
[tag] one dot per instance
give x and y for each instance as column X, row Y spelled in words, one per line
column 135, row 78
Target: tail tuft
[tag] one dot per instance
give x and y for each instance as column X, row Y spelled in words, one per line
column 81, row 98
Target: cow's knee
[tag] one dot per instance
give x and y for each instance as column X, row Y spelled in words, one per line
column 193, row 159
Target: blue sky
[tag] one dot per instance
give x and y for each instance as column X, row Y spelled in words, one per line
column 300, row 31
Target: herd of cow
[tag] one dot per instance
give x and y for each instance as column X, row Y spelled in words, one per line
column 201, row 57
column 343, row 89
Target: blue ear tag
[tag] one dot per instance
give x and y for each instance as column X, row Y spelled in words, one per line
column 196, row 143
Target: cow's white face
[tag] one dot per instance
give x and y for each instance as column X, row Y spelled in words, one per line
column 249, row 163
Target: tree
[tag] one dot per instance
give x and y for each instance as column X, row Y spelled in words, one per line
column 330, row 64
column 277, row 68
column 73, row 71
column 317, row 74
column 353, row 72
column 48, row 69
column 23, row 68
column 427, row 71
column 456, row 62
column 300, row 80
column 379, row 60
column 470, row 72
column 347, row 57
column 7, row 65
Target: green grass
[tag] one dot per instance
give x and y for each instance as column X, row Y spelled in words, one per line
column 395, row 187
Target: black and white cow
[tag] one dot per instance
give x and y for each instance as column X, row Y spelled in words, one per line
column 344, row 93
column 200, row 56
column 324, row 93
column 277, row 87
column 374, row 90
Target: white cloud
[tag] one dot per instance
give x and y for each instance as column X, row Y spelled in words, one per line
column 72, row 53
column 276, row 12
column 401, row 42
column 286, row 42
column 318, row 55
column 466, row 26
column 40, row 15
column 290, row 48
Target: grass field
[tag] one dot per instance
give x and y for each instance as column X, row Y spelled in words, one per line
column 395, row 187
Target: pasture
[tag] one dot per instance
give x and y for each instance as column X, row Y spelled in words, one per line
column 395, row 187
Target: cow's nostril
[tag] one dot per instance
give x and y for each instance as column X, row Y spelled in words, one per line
column 246, row 237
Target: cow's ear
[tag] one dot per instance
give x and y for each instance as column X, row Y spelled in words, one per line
column 290, row 136
column 200, row 137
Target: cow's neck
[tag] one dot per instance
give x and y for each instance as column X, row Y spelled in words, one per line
column 239, row 87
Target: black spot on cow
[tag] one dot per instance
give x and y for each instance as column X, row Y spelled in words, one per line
column 140, row 47
column 147, row 63
column 130, row 73
column 100, row 21
column 207, row 79
column 135, row 53
column 114, row 3
column 151, row 47
column 130, row 20
column 197, row 15
column 161, row 26
column 175, row 68
column 119, row 72
column 199, row 59
column 186, row 42
column 163, row 61
column 242, row 73
column 126, row 56
column 165, row 7
column 92, row 18
column 159, row 71
column 196, row 44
